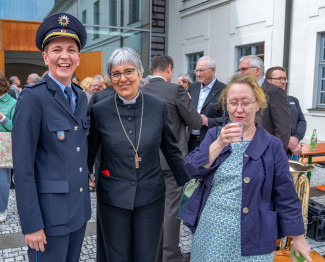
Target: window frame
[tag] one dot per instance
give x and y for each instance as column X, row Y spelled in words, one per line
column 321, row 74
column 191, row 63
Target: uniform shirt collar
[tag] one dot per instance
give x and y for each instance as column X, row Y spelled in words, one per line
column 62, row 86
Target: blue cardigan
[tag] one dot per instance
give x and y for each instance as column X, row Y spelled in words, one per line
column 274, row 209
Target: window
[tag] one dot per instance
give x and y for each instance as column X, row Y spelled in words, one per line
column 253, row 49
column 192, row 60
column 134, row 8
column 84, row 17
column 96, row 19
column 321, row 82
column 113, row 12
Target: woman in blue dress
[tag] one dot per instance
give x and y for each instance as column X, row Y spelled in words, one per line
column 249, row 197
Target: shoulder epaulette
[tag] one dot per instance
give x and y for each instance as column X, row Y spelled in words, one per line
column 36, row 83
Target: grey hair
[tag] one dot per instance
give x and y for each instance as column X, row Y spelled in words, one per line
column 12, row 79
column 186, row 78
column 35, row 77
column 254, row 61
column 211, row 61
column 124, row 55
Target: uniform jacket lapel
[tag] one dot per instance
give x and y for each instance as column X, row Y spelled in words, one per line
column 59, row 97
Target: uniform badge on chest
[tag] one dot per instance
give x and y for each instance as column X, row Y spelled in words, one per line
column 60, row 135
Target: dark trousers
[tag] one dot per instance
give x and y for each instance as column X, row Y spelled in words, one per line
column 193, row 142
column 129, row 235
column 171, row 228
column 60, row 248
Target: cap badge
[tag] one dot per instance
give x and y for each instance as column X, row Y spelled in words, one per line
column 63, row 20
column 63, row 30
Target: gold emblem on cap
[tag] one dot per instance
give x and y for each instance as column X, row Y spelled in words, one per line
column 63, row 20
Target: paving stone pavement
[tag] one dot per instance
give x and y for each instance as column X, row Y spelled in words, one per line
column 18, row 252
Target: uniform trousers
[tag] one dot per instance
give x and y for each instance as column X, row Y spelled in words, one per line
column 64, row 248
column 171, row 228
column 129, row 235
column 5, row 179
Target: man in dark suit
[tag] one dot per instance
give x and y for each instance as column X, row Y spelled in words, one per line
column 276, row 118
column 205, row 97
column 181, row 112
column 50, row 148
column 277, row 75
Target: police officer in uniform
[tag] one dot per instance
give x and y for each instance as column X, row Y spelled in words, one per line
column 50, row 148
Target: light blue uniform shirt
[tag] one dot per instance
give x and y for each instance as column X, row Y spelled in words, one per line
column 62, row 86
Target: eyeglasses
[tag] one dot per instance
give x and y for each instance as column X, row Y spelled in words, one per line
column 201, row 70
column 127, row 73
column 244, row 104
column 244, row 69
column 279, row 79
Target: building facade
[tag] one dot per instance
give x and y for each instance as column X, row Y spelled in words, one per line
column 110, row 24
column 283, row 33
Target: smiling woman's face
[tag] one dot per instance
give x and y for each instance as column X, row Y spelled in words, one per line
column 62, row 57
column 127, row 85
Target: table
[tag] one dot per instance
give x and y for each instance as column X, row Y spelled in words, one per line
column 306, row 151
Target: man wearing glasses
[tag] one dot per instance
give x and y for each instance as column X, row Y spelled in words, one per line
column 276, row 118
column 278, row 76
column 205, row 96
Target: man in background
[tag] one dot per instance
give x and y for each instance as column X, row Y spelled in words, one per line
column 33, row 78
column 181, row 112
column 205, row 98
column 276, row 118
column 278, row 76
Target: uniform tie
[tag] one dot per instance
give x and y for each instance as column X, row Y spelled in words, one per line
column 68, row 92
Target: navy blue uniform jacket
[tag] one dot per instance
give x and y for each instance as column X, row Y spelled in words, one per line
column 274, row 208
column 51, row 176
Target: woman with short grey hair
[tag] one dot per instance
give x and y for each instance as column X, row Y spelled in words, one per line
column 131, row 127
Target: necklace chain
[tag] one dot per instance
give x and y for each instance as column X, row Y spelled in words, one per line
column 119, row 116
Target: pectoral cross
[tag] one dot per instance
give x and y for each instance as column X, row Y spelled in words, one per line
column 137, row 159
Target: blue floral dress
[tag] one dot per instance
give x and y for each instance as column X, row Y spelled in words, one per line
column 218, row 235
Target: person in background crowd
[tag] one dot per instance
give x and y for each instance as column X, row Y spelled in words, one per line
column 49, row 138
column 249, row 198
column 33, row 78
column 89, row 86
column 205, row 96
column 181, row 113
column 108, row 82
column 145, row 80
column 15, row 83
column 45, row 73
column 184, row 80
column 75, row 80
column 278, row 76
column 276, row 118
column 7, row 109
column 131, row 126
column 96, row 97
column 99, row 82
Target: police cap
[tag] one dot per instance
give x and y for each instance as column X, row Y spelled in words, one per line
column 60, row 25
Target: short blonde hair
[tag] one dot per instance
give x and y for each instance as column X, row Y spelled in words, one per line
column 249, row 80
column 86, row 83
